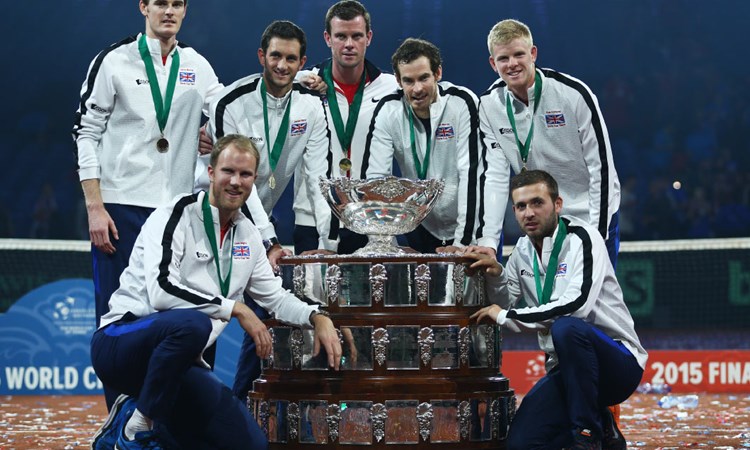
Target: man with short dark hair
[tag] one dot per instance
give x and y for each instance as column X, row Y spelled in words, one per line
column 191, row 264
column 353, row 88
column 288, row 124
column 136, row 135
column 431, row 128
column 573, row 300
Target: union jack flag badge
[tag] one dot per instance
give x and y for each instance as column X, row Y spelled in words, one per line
column 298, row 127
column 562, row 269
column 187, row 76
column 444, row 132
column 241, row 251
column 554, row 119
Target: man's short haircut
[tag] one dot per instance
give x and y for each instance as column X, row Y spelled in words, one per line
column 239, row 142
column 413, row 48
column 145, row 2
column 506, row 30
column 347, row 10
column 284, row 29
column 529, row 177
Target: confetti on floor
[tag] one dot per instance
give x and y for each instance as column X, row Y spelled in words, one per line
column 719, row 422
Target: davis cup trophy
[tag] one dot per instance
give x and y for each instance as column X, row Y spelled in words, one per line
column 381, row 208
column 414, row 371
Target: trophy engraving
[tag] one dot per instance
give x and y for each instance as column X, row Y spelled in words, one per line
column 355, row 427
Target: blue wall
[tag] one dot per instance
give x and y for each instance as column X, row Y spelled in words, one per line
column 671, row 77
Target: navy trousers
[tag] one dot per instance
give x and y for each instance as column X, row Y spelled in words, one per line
column 108, row 268
column 153, row 359
column 593, row 372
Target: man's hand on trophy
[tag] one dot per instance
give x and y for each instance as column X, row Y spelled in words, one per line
column 488, row 314
column 484, row 262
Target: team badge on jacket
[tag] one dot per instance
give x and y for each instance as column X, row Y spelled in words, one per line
column 554, row 119
column 298, row 127
column 444, row 132
column 562, row 269
column 187, row 76
column 241, row 251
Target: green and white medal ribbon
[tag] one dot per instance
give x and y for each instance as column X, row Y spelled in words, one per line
column 162, row 106
column 544, row 294
column 208, row 223
column 274, row 153
column 344, row 134
column 523, row 148
column 420, row 166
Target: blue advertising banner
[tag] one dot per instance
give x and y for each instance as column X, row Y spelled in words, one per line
column 45, row 339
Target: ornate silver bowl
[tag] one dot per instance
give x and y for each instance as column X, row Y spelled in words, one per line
column 381, row 208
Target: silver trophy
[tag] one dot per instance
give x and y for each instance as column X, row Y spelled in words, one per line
column 381, row 208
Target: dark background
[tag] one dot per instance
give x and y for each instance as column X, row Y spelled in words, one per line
column 671, row 77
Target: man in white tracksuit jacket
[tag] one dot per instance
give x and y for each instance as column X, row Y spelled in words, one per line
column 542, row 119
column 192, row 262
column 574, row 302
column 357, row 86
column 431, row 129
column 124, row 166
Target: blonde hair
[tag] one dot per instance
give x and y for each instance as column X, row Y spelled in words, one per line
column 506, row 31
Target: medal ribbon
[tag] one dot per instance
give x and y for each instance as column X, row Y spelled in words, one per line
column 162, row 106
column 344, row 134
column 275, row 153
column 524, row 148
column 208, row 223
column 421, row 168
column 549, row 279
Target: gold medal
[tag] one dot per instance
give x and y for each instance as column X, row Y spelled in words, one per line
column 162, row 145
column 272, row 182
column 345, row 164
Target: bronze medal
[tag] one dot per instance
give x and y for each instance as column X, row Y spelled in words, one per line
column 345, row 164
column 162, row 145
column 272, row 182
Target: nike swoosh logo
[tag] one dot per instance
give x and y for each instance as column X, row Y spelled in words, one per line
column 375, row 100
